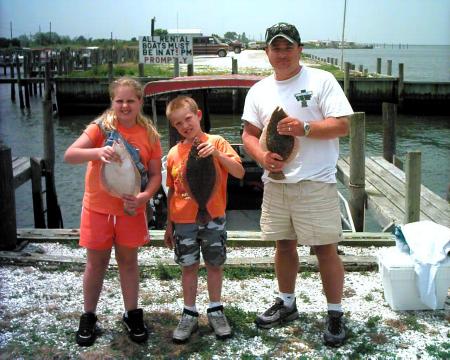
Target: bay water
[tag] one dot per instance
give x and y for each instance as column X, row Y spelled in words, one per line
column 427, row 63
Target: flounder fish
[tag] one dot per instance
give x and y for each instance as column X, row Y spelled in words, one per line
column 200, row 177
column 284, row 145
column 121, row 177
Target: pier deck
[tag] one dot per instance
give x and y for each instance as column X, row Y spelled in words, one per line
column 385, row 189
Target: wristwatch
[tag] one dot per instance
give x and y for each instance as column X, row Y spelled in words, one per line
column 306, row 128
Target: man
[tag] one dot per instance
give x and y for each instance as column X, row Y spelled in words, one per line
column 302, row 208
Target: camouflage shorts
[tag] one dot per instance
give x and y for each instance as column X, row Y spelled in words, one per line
column 211, row 238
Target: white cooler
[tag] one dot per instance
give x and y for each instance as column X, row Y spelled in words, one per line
column 399, row 281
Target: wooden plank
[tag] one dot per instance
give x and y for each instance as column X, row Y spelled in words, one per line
column 235, row 238
column 430, row 197
column 21, row 170
column 386, row 214
column 351, row 263
column 395, row 190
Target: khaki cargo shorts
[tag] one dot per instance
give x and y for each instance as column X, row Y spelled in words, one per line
column 307, row 211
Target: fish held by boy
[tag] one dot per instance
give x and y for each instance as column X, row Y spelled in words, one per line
column 284, row 145
column 121, row 177
column 200, row 179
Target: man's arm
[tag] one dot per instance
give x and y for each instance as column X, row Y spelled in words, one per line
column 328, row 128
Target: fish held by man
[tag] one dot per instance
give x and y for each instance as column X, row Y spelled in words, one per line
column 121, row 177
column 284, row 145
column 200, row 179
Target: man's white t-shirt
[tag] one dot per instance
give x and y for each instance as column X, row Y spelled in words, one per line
column 311, row 95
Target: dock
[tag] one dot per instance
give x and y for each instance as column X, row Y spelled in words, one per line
column 385, row 187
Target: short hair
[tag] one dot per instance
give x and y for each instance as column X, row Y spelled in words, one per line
column 179, row 102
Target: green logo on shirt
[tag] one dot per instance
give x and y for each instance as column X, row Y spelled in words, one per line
column 304, row 96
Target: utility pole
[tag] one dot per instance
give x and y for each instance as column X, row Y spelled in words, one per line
column 342, row 40
column 50, row 33
column 10, row 29
column 153, row 26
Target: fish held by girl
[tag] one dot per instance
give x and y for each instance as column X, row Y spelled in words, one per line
column 121, row 177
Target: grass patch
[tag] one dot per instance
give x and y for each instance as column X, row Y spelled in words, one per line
column 439, row 351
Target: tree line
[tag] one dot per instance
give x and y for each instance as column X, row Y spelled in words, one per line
column 53, row 39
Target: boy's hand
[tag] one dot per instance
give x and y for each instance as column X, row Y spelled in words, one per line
column 168, row 236
column 205, row 149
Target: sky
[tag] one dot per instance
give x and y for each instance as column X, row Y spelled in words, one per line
column 424, row 22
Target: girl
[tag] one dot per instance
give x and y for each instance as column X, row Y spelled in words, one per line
column 104, row 219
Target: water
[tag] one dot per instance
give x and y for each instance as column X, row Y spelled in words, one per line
column 22, row 130
column 421, row 62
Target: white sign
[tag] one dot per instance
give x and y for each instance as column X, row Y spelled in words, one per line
column 164, row 49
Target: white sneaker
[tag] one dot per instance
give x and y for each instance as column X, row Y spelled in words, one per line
column 218, row 322
column 188, row 324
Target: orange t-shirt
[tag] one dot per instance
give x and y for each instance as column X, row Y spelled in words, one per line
column 96, row 198
column 183, row 209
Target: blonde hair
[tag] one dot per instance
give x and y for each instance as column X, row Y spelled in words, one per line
column 109, row 119
column 181, row 102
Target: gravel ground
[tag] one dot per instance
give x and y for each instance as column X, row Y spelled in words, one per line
column 39, row 311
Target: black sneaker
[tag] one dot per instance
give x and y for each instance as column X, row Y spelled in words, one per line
column 87, row 330
column 277, row 314
column 335, row 332
column 134, row 322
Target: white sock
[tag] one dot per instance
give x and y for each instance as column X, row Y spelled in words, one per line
column 334, row 307
column 191, row 308
column 214, row 304
column 288, row 299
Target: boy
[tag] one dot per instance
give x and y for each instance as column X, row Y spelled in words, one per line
column 182, row 232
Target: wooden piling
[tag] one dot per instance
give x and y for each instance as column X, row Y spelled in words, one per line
column 389, row 67
column 176, row 67
column 413, row 184
column 13, row 86
column 234, row 92
column 190, row 70
column 378, row 65
column 401, row 86
column 36, row 189
column 389, row 119
column 54, row 219
column 110, row 72
column 357, row 169
column 141, row 69
column 8, row 225
column 19, row 83
column 347, row 79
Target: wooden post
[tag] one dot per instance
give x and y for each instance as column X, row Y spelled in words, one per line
column 234, row 92
column 154, row 112
column 176, row 67
column 13, row 86
column 389, row 67
column 8, row 225
column 19, row 82
column 378, row 65
column 347, row 79
column 401, row 86
column 389, row 120
column 141, row 69
column 110, row 71
column 54, row 219
column 413, row 183
column 357, row 169
column 36, row 189
column 190, row 69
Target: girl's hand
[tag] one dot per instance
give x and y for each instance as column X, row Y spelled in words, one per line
column 107, row 154
column 168, row 236
column 205, row 149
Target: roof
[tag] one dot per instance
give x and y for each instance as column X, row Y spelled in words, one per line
column 199, row 82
